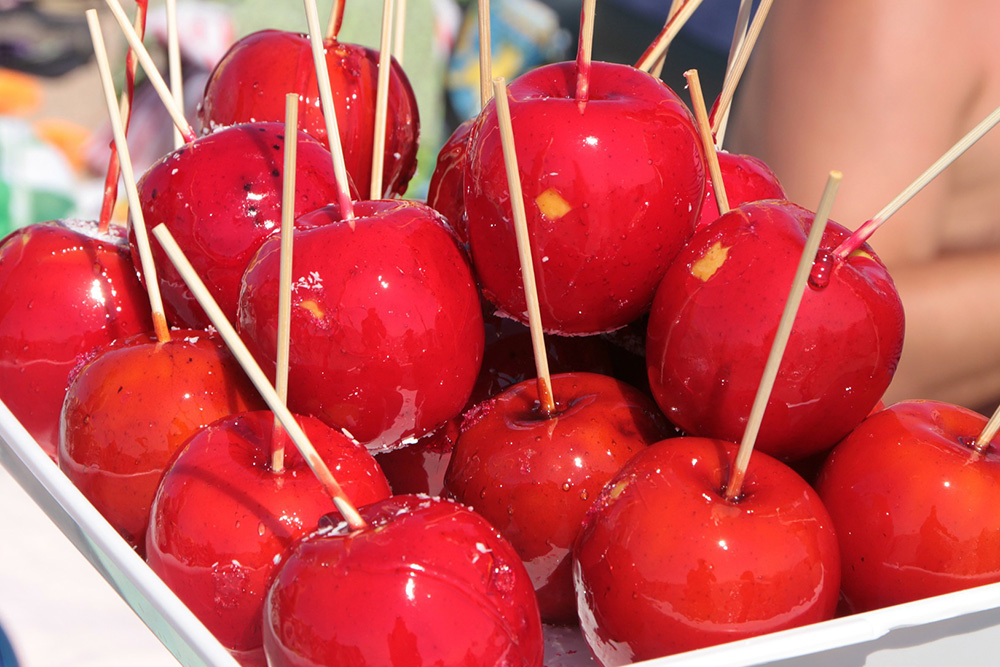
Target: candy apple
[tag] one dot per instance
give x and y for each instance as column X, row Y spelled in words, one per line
column 446, row 191
column 428, row 583
column 715, row 316
column 419, row 467
column 666, row 563
column 747, row 179
column 220, row 197
column 250, row 83
column 535, row 475
column 131, row 408
column 65, row 290
column 914, row 504
column 612, row 189
column 222, row 517
column 386, row 326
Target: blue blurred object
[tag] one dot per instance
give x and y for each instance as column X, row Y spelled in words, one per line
column 7, row 658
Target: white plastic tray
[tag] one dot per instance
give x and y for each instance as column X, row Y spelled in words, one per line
column 960, row 628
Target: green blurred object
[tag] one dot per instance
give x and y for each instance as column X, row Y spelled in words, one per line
column 36, row 182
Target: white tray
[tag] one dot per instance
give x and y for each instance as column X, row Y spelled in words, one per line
column 959, row 628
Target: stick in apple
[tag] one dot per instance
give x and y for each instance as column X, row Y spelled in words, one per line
column 735, row 485
column 524, row 247
column 584, row 51
column 111, row 178
column 707, row 142
column 990, row 430
column 734, row 71
column 257, row 376
column 174, row 63
column 153, row 74
column 485, row 54
column 335, row 21
column 673, row 26
column 381, row 100
column 399, row 34
column 657, row 69
column 121, row 147
column 864, row 232
column 329, row 113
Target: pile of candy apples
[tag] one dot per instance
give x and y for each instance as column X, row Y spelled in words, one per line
column 516, row 502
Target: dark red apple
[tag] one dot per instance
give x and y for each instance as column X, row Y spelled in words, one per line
column 666, row 564
column 223, row 517
column 249, row 84
column 65, row 290
column 386, row 327
column 612, row 190
column 131, row 408
column 419, row 467
column 535, row 475
column 220, row 197
column 914, row 504
column 715, row 317
column 747, row 179
column 446, row 191
column 428, row 583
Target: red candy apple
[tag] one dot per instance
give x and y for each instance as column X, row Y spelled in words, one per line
column 428, row 583
column 535, row 475
column 446, row 191
column 715, row 316
column 223, row 517
column 220, row 197
column 665, row 563
column 612, row 190
column 747, row 179
column 250, row 83
column 65, row 290
column 386, row 329
column 131, row 408
column 914, row 504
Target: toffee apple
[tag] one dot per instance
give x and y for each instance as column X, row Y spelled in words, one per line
column 612, row 187
column 534, row 474
column 129, row 410
column 250, row 83
column 913, row 492
column 386, row 328
column 66, row 290
column 746, row 179
column 716, row 312
column 446, row 190
column 429, row 582
column 223, row 516
column 220, row 197
column 666, row 563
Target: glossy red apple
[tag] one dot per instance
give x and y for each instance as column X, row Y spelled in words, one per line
column 914, row 504
column 65, row 290
column 220, row 197
column 429, row 583
column 715, row 317
column 222, row 517
column 386, row 328
column 132, row 407
column 534, row 476
column 666, row 564
column 249, row 84
column 747, row 179
column 612, row 190
column 419, row 467
column 446, row 191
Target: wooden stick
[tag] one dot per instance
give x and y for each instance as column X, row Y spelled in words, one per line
column 111, row 176
column 174, row 62
column 153, row 74
column 739, row 39
column 734, row 74
column 257, row 376
column 735, row 486
column 707, row 143
column 673, row 26
column 545, row 398
column 335, row 21
column 989, row 431
column 584, row 52
column 864, row 232
column 329, row 114
column 381, row 100
column 160, row 327
column 399, row 34
column 285, row 273
column 657, row 69
column 485, row 55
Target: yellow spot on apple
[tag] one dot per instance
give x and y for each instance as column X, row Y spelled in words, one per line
column 709, row 263
column 313, row 308
column 552, row 205
column 861, row 253
column 619, row 488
